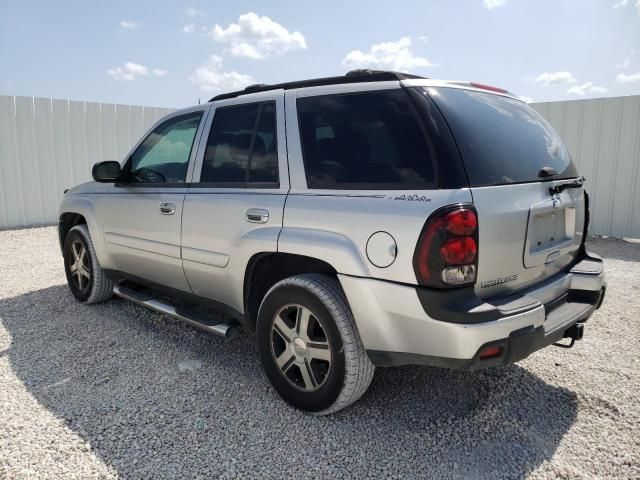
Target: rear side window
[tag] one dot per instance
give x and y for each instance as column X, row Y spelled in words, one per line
column 364, row 141
column 501, row 140
column 242, row 147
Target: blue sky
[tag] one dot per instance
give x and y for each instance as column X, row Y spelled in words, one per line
column 170, row 53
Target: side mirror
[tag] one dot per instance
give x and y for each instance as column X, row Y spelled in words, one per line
column 106, row 172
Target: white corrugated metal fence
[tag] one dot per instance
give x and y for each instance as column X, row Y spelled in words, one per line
column 603, row 136
column 48, row 145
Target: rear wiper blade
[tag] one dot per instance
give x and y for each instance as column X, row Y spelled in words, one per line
column 546, row 172
column 563, row 186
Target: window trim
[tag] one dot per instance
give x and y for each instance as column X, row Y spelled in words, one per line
column 126, row 168
column 371, row 185
column 246, row 184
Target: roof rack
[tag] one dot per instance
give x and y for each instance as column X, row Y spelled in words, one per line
column 354, row 76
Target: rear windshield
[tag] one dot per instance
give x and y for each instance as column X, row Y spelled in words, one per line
column 365, row 140
column 501, row 140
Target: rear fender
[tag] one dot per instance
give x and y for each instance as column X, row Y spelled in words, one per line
column 333, row 248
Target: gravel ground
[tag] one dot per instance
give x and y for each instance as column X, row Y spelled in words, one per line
column 116, row 391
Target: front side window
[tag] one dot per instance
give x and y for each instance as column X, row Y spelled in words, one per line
column 365, row 140
column 242, row 146
column 163, row 157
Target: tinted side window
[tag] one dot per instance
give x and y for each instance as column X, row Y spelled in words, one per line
column 502, row 140
column 263, row 167
column 242, row 145
column 365, row 140
column 163, row 157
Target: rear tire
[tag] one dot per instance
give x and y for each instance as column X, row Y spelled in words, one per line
column 87, row 281
column 322, row 368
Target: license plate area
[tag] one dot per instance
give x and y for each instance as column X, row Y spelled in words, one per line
column 550, row 233
column 552, row 229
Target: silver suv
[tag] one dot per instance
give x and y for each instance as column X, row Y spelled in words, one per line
column 368, row 220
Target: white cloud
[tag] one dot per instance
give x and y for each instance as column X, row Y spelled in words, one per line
column 624, row 3
column 211, row 77
column 194, row 12
column 423, row 39
column 386, row 56
column 585, row 88
column 627, row 61
column 489, row 4
column 624, row 78
column 129, row 24
column 131, row 71
column 554, row 78
column 189, row 28
column 257, row 37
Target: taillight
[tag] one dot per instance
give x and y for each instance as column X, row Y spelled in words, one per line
column 459, row 251
column 447, row 252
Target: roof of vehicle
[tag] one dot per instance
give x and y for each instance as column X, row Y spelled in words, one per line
column 354, row 76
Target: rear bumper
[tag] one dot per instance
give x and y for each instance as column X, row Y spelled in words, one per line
column 400, row 325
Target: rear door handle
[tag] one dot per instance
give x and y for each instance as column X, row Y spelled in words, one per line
column 167, row 208
column 256, row 215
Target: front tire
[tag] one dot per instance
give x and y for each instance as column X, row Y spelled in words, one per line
column 309, row 345
column 87, row 281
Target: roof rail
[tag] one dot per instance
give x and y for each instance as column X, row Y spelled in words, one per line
column 365, row 71
column 353, row 76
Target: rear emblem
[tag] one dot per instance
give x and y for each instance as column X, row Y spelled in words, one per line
column 412, row 198
column 498, row 281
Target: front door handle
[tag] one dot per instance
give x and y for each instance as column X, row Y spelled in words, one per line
column 167, row 208
column 256, row 215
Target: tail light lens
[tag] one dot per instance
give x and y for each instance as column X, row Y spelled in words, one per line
column 447, row 253
column 459, row 250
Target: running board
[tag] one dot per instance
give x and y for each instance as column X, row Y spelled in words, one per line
column 146, row 298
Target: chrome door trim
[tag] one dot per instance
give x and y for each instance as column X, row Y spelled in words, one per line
column 167, row 208
column 256, row 215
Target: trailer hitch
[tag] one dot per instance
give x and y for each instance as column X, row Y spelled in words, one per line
column 574, row 332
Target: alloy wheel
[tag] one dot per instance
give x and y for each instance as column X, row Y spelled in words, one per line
column 300, row 347
column 79, row 265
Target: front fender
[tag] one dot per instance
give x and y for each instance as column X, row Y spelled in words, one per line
column 85, row 206
column 333, row 248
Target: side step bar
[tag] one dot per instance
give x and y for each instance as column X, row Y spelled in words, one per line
column 146, row 298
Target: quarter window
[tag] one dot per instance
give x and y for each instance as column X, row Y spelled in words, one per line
column 502, row 140
column 242, row 146
column 365, row 140
column 163, row 157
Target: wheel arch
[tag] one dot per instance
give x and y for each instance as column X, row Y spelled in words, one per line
column 66, row 222
column 267, row 268
column 77, row 210
column 332, row 248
